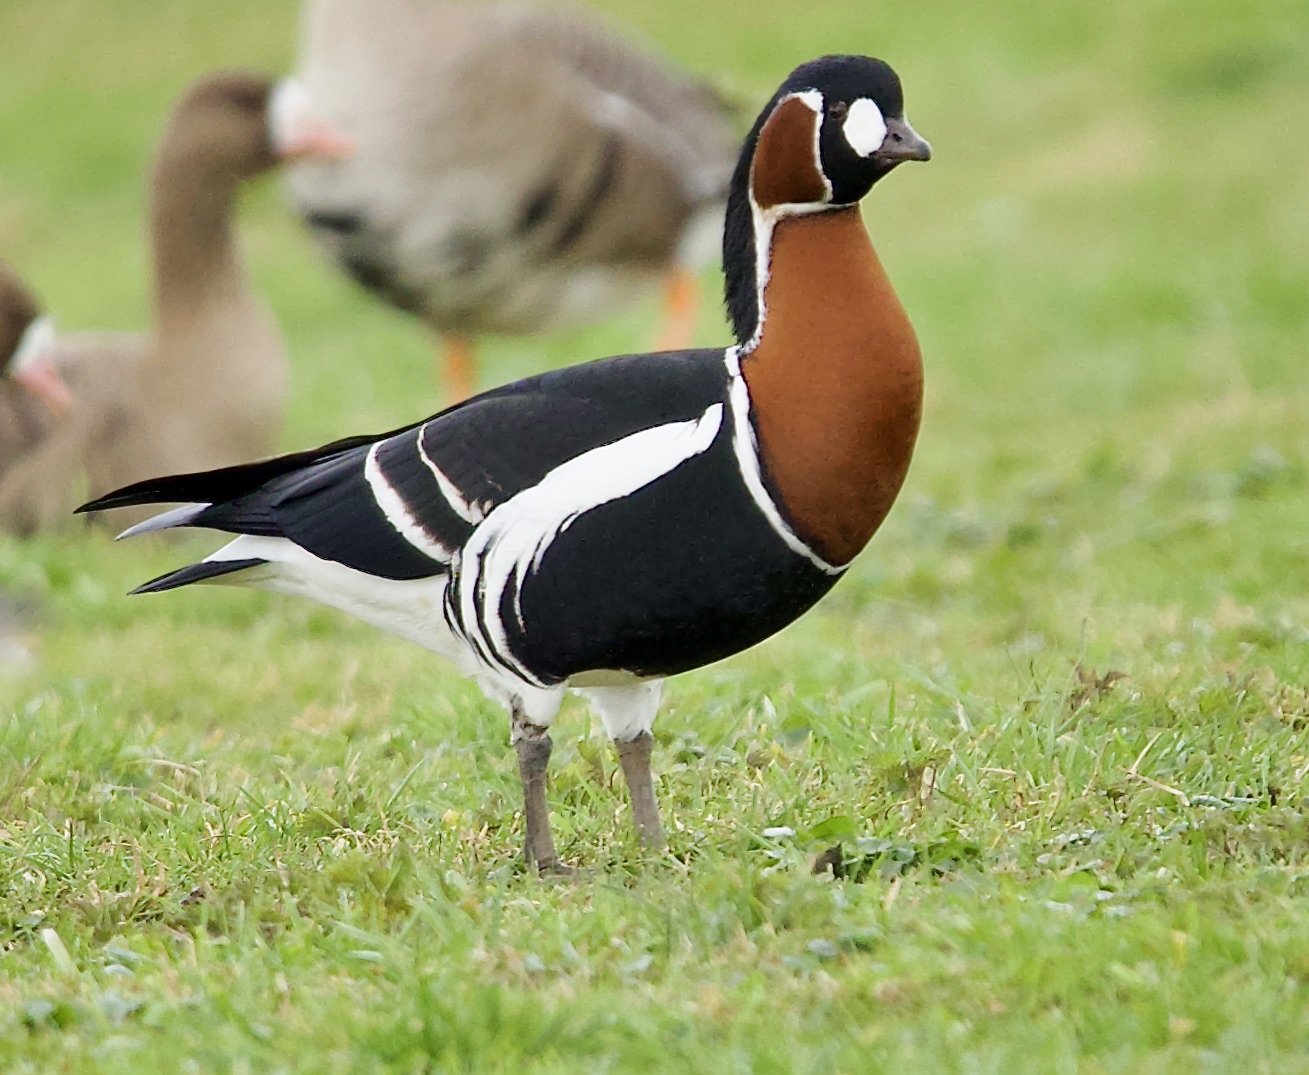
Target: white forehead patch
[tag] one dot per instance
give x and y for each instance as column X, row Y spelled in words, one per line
column 864, row 128
column 288, row 109
column 36, row 341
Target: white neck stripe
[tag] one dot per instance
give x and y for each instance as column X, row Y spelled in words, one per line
column 763, row 221
column 747, row 460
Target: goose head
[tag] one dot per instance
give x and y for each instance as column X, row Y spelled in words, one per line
column 834, row 128
column 27, row 340
column 297, row 130
column 239, row 125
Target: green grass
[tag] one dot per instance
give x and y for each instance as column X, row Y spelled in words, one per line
column 1056, row 717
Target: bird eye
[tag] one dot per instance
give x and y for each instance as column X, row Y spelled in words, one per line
column 838, row 111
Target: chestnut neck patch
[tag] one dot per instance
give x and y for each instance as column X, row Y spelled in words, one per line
column 785, row 170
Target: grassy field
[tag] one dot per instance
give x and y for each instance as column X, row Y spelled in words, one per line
column 1056, row 718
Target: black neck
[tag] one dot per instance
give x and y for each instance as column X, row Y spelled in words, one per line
column 742, row 263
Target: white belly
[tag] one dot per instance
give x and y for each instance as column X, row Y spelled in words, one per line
column 409, row 608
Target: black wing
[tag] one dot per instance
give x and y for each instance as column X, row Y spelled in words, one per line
column 399, row 505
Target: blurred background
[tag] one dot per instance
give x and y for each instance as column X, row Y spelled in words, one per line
column 1116, row 217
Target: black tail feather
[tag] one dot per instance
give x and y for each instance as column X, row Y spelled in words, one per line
column 184, row 576
column 224, row 484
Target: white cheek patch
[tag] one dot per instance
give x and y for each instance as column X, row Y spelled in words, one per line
column 864, row 127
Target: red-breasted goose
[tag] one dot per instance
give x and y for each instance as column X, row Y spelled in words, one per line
column 518, row 168
column 605, row 526
column 206, row 387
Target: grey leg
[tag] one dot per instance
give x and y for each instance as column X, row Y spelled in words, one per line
column 628, row 710
column 634, row 755
column 532, row 744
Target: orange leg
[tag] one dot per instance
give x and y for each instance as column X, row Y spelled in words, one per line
column 681, row 303
column 459, row 372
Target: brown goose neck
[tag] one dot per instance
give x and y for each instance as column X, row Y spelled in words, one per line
column 196, row 259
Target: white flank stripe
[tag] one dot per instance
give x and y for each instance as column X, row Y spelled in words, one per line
column 397, row 511
column 469, row 512
column 409, row 608
column 515, row 537
column 413, row 609
column 747, row 458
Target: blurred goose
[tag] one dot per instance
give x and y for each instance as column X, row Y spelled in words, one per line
column 604, row 526
column 207, row 386
column 32, row 393
column 517, row 169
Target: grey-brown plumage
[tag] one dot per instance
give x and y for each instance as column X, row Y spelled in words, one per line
column 18, row 311
column 23, row 417
column 517, row 168
column 205, row 387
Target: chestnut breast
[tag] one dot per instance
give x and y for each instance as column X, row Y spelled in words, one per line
column 836, row 383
